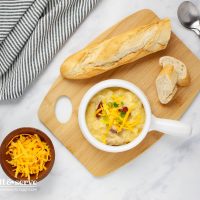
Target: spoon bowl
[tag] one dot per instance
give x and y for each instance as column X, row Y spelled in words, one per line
column 189, row 16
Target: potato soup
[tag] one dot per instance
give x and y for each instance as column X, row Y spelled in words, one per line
column 115, row 116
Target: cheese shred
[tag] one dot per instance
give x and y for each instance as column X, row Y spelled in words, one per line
column 28, row 155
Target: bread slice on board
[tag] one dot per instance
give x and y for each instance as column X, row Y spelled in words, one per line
column 116, row 51
column 180, row 68
column 166, row 84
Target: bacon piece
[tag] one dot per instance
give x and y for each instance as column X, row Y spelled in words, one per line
column 123, row 109
column 112, row 130
column 100, row 112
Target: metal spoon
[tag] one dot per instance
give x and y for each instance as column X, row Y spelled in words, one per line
column 189, row 16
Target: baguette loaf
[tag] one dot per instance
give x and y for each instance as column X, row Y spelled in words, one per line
column 116, row 51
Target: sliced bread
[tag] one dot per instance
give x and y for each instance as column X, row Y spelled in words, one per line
column 180, row 68
column 166, row 84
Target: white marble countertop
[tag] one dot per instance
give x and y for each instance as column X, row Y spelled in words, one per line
column 168, row 170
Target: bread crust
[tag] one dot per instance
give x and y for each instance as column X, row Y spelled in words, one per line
column 116, row 51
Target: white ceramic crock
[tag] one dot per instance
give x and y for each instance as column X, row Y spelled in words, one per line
column 167, row 126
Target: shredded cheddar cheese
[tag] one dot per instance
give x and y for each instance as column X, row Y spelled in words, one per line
column 112, row 116
column 28, row 155
column 125, row 120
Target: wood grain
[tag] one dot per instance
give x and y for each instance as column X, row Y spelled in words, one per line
column 142, row 73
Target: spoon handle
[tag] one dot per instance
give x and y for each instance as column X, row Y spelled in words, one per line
column 196, row 27
column 197, row 31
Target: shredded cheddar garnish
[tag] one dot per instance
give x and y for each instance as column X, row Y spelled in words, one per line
column 28, row 155
column 115, row 115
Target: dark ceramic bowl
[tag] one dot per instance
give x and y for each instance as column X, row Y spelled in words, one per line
column 8, row 169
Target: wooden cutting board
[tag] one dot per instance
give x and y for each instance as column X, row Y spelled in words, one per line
column 142, row 73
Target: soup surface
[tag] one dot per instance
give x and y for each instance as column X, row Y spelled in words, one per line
column 115, row 116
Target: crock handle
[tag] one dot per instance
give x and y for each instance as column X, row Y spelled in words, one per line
column 170, row 127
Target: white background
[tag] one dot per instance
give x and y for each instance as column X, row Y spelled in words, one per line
column 168, row 170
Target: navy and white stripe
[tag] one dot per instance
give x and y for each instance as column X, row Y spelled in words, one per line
column 31, row 32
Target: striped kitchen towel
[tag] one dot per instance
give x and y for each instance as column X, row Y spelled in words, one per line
column 31, row 32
